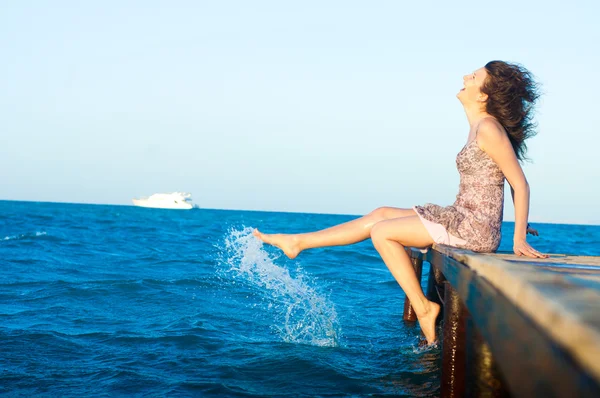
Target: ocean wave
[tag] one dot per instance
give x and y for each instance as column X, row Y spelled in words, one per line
column 114, row 282
column 37, row 234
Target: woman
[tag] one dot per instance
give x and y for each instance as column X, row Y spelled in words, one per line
column 498, row 100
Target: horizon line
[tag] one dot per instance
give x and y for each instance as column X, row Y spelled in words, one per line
column 270, row 211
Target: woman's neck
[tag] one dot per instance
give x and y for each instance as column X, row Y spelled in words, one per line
column 475, row 114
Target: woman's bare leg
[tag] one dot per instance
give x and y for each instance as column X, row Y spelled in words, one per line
column 389, row 238
column 343, row 234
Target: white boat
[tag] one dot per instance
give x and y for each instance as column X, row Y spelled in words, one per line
column 175, row 200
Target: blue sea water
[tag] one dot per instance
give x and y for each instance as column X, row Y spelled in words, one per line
column 116, row 300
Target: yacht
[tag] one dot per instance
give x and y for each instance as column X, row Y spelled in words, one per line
column 175, row 200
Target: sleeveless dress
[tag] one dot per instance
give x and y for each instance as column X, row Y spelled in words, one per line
column 473, row 222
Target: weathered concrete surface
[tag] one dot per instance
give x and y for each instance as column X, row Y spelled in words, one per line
column 559, row 295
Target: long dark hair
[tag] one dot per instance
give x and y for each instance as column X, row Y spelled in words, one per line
column 512, row 94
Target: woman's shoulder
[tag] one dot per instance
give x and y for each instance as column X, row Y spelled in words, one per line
column 490, row 132
column 493, row 139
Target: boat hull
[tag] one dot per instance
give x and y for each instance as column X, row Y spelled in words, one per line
column 162, row 204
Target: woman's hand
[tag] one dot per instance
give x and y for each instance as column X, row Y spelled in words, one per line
column 522, row 248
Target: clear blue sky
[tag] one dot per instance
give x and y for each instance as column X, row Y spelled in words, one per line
column 313, row 106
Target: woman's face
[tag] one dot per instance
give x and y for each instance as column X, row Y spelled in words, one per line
column 471, row 91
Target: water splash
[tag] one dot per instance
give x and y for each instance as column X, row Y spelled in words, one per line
column 302, row 314
column 421, row 347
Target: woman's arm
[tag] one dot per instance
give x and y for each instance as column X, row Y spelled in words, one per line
column 493, row 140
column 521, row 201
column 530, row 230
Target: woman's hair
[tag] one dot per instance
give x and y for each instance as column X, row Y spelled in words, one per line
column 512, row 94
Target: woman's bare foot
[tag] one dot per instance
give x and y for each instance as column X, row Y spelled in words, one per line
column 427, row 321
column 288, row 243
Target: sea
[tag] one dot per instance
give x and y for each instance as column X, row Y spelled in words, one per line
column 102, row 300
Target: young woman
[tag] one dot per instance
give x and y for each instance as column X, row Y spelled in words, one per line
column 498, row 100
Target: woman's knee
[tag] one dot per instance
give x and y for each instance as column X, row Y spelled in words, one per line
column 380, row 213
column 378, row 234
column 387, row 213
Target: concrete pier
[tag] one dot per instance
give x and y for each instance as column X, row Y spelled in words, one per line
column 517, row 326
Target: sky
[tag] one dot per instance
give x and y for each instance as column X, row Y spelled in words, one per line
column 313, row 106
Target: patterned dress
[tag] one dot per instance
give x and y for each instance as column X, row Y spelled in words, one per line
column 475, row 217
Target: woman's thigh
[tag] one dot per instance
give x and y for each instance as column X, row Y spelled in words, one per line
column 408, row 231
